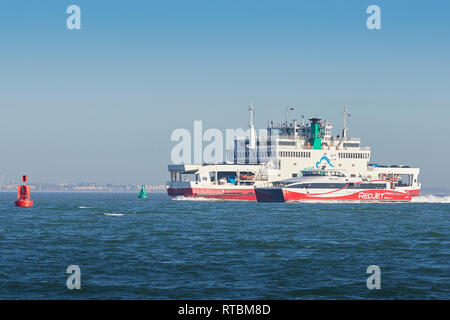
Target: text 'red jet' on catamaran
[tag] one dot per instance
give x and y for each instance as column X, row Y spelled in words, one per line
column 303, row 161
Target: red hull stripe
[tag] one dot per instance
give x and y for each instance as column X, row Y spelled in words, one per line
column 229, row 194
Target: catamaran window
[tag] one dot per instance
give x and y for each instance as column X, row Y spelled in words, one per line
column 279, row 184
column 313, row 173
column 318, row 185
column 337, row 174
column 370, row 185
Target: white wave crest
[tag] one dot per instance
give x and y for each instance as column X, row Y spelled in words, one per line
column 113, row 214
column 81, row 207
column 430, row 198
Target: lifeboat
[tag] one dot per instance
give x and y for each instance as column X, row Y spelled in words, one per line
column 246, row 177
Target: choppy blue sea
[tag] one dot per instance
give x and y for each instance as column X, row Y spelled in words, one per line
column 158, row 248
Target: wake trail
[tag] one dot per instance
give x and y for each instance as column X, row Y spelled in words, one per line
column 430, row 198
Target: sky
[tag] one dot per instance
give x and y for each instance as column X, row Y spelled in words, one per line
column 99, row 104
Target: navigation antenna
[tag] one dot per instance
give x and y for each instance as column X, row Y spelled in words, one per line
column 344, row 117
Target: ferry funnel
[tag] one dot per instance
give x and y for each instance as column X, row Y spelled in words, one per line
column 23, row 194
column 315, row 140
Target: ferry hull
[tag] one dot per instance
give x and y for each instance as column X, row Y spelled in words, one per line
column 214, row 193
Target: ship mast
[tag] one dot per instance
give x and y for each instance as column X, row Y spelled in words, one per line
column 344, row 117
column 287, row 112
column 252, row 144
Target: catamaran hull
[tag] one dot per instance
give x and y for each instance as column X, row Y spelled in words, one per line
column 283, row 194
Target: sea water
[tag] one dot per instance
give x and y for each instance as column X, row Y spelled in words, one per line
column 159, row 248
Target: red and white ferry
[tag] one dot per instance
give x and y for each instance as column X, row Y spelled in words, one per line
column 286, row 151
column 335, row 185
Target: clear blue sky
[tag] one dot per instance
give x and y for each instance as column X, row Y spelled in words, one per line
column 99, row 104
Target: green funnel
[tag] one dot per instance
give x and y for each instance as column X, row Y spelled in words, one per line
column 142, row 193
column 314, row 140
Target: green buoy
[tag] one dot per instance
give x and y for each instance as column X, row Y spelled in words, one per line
column 142, row 193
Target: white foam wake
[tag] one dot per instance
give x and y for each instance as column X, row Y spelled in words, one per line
column 113, row 214
column 429, row 198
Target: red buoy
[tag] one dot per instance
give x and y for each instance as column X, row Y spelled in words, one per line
column 23, row 194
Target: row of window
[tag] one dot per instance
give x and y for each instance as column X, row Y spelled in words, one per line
column 286, row 143
column 354, row 155
column 294, row 154
column 351, row 145
column 246, row 154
